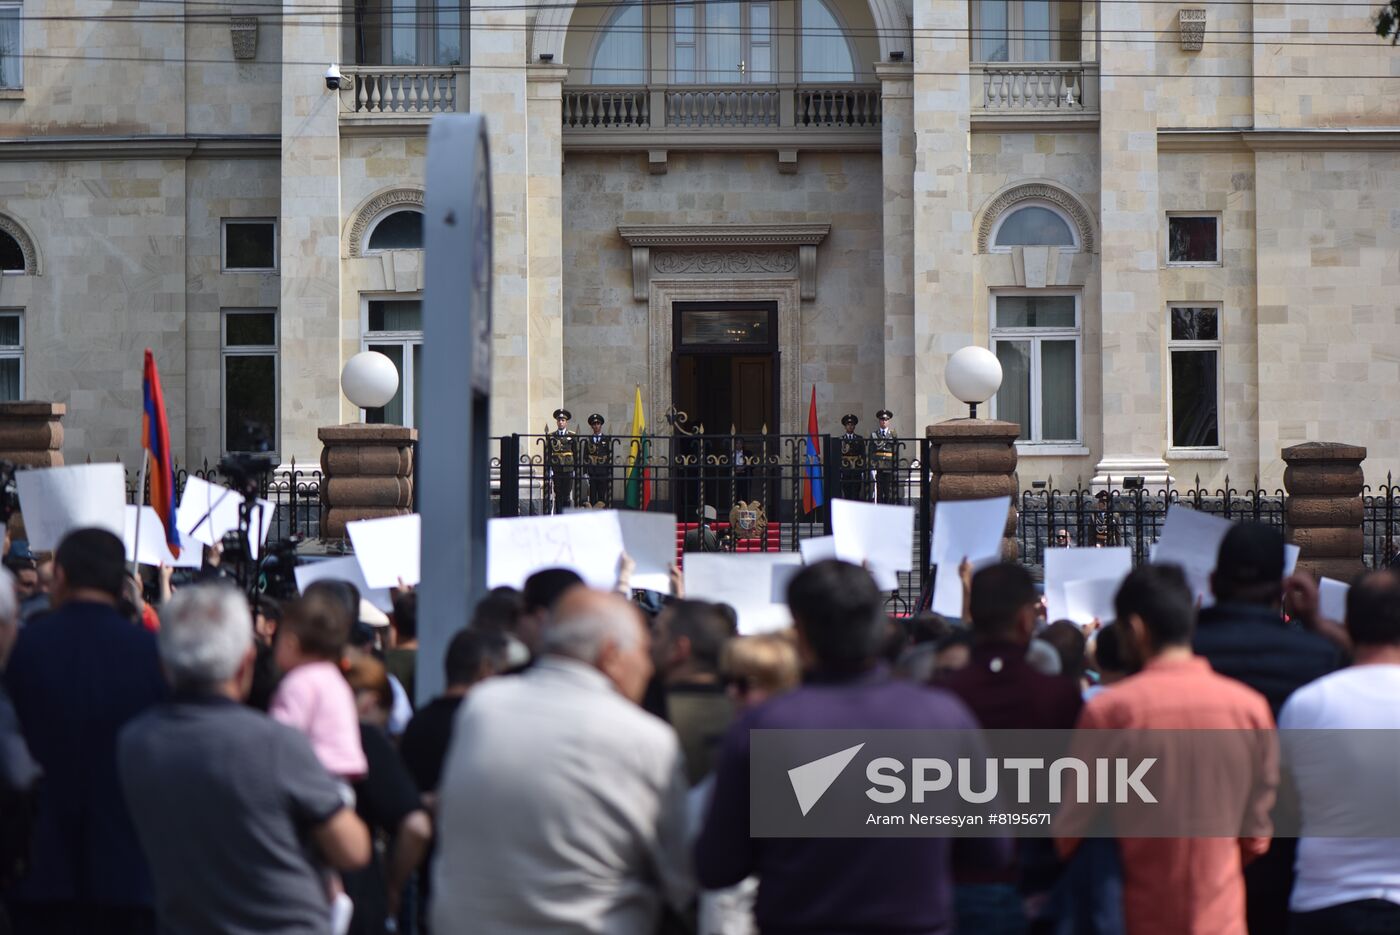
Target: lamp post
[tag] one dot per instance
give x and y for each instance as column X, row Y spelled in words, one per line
column 973, row 375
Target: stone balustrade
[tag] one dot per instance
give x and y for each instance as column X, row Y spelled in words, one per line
column 401, row 90
column 597, row 110
column 1045, row 88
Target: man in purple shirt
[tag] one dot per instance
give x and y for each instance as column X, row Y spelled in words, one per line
column 813, row 885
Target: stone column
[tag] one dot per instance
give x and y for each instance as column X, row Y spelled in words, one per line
column 499, row 52
column 31, row 434
column 1325, row 507
column 366, row 473
column 309, row 234
column 1134, row 417
column 897, row 166
column 973, row 459
column 942, row 250
column 545, row 84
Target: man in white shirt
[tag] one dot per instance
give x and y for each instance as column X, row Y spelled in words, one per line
column 1349, row 884
column 563, row 803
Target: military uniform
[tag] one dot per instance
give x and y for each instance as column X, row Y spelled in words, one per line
column 597, row 463
column 884, row 445
column 852, row 460
column 561, row 451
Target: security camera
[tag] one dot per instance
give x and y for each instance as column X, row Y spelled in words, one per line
column 333, row 78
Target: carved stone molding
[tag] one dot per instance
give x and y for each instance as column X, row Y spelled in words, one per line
column 243, row 32
column 724, row 249
column 1036, row 191
column 373, row 208
column 724, row 261
column 1193, row 29
column 26, row 244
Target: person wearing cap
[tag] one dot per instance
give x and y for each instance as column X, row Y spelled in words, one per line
column 1245, row 637
column 703, row 538
column 597, row 463
column 852, row 459
column 883, row 443
column 560, row 446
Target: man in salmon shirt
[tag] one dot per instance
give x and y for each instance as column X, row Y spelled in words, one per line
column 1188, row 885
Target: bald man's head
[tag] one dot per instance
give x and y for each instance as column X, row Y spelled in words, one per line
column 604, row 630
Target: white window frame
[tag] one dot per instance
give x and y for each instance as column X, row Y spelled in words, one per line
column 250, row 350
column 18, row 7
column 1035, row 445
column 1197, row 264
column 405, row 338
column 223, row 245
column 746, row 44
column 1200, row 452
column 383, row 216
column 1015, row 34
column 1055, row 209
column 10, row 352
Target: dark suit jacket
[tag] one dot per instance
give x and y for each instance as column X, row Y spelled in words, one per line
column 76, row 677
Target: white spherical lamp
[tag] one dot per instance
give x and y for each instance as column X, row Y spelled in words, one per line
column 973, row 375
column 369, row 379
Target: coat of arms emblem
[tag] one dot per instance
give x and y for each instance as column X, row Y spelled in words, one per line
column 748, row 520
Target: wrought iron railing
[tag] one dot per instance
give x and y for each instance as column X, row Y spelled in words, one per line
column 294, row 491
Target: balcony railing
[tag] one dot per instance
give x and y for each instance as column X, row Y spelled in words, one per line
column 1035, row 88
column 592, row 109
column 398, row 91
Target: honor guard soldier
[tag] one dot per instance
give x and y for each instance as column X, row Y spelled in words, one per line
column 852, row 460
column 597, row 463
column 560, row 447
column 883, row 443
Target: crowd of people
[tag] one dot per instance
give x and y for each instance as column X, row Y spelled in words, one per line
column 238, row 769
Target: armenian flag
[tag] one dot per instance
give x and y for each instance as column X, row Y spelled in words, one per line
column 155, row 438
column 812, row 494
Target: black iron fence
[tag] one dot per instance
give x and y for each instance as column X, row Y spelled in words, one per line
column 294, row 491
column 756, row 485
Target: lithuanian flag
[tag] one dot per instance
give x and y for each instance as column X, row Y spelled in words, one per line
column 638, row 495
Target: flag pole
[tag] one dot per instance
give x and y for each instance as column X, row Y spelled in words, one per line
column 140, row 499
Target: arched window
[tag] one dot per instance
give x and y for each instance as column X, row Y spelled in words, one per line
column 11, row 254
column 1034, row 226
column 620, row 57
column 400, row 230
column 826, row 55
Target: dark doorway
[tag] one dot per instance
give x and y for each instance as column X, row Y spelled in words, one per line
column 725, row 379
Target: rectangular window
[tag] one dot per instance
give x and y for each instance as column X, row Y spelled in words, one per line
column 249, row 364
column 1194, row 348
column 11, row 46
column 250, row 245
column 1036, row 339
column 394, row 328
column 760, row 44
column 448, row 35
column 685, row 43
column 1193, row 239
column 990, row 32
column 11, row 356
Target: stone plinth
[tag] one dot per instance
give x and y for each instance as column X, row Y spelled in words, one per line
column 31, row 434
column 366, row 473
column 973, row 459
column 1324, row 482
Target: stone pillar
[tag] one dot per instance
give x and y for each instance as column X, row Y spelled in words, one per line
column 366, row 473
column 897, row 165
column 1325, row 507
column 499, row 53
column 31, row 434
column 1130, row 235
column 973, row 459
column 546, row 239
column 309, row 235
column 943, row 243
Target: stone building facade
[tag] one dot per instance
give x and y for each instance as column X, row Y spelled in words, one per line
column 1178, row 227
